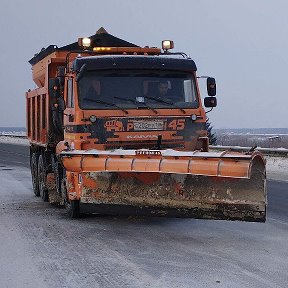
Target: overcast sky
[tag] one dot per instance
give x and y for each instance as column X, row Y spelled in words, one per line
column 243, row 44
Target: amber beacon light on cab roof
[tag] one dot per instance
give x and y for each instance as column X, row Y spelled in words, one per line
column 119, row 129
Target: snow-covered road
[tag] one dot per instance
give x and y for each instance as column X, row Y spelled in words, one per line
column 42, row 247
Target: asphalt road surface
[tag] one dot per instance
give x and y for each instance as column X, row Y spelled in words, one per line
column 41, row 247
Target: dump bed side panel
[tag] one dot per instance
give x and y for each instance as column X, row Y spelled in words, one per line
column 39, row 104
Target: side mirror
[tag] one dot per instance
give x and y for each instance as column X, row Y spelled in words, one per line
column 211, row 86
column 54, row 88
column 210, row 101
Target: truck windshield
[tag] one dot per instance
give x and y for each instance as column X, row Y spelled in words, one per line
column 137, row 89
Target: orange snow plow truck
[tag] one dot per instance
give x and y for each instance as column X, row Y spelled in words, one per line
column 119, row 129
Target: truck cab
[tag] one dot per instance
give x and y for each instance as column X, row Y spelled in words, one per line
column 133, row 102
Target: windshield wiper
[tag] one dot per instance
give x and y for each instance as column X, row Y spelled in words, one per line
column 106, row 103
column 134, row 102
column 166, row 102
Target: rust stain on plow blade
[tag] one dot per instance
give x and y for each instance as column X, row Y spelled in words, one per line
column 230, row 186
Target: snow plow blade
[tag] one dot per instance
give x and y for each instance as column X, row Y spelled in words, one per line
column 205, row 185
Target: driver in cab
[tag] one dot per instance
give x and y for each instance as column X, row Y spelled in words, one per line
column 165, row 93
column 162, row 89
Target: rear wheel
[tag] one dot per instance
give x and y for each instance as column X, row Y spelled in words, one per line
column 34, row 173
column 43, row 191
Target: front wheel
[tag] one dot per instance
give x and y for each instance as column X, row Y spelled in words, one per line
column 73, row 209
column 72, row 206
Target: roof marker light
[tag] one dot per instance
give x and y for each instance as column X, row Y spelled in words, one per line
column 84, row 42
column 97, row 49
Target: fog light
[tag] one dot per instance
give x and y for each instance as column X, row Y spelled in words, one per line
column 194, row 117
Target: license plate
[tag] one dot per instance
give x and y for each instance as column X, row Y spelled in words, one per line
column 148, row 125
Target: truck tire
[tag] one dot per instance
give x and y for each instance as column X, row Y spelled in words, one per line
column 73, row 209
column 34, row 173
column 43, row 191
column 72, row 206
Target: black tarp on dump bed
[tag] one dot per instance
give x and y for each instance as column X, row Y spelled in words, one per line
column 101, row 39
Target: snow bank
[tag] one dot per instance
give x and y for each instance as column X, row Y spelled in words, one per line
column 13, row 140
column 277, row 168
